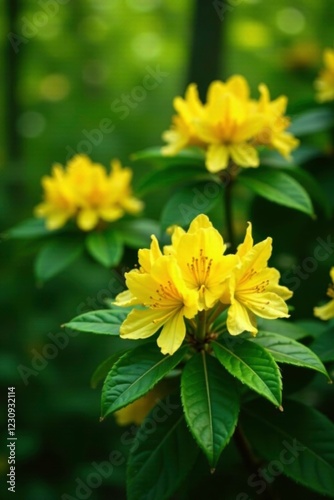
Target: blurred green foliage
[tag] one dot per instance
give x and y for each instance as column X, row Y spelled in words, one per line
column 71, row 72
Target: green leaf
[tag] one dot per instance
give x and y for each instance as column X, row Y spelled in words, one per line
column 137, row 233
column 163, row 453
column 323, row 346
column 104, row 368
column 55, row 256
column 105, row 321
column 313, row 120
column 211, row 404
column 298, row 442
column 134, row 374
column 253, row 366
column 189, row 156
column 283, row 327
column 302, row 154
column 190, row 201
column 285, row 350
column 105, row 246
column 175, row 174
column 278, row 187
column 30, row 228
column 313, row 188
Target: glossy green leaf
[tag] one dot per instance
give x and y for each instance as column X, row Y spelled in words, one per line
column 105, row 246
column 30, row 228
column 137, row 233
column 253, row 366
column 211, row 404
column 278, row 187
column 298, row 442
column 190, row 156
column 312, row 186
column 323, row 346
column 104, row 368
column 105, row 321
column 162, row 454
column 186, row 203
column 283, row 327
column 55, row 256
column 299, row 156
column 311, row 121
column 175, row 174
column 285, row 350
column 134, row 374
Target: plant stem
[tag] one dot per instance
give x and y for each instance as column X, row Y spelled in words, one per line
column 201, row 326
column 251, row 461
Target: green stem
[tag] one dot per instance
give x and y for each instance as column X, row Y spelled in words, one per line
column 201, row 326
column 216, row 312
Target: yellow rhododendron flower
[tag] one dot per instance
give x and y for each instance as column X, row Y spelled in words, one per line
column 254, row 289
column 85, row 191
column 229, row 125
column 326, row 311
column 324, row 84
column 167, row 300
column 182, row 289
column 199, row 254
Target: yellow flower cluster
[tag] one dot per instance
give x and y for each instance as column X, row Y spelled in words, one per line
column 85, row 191
column 326, row 311
column 324, row 84
column 230, row 125
column 191, row 281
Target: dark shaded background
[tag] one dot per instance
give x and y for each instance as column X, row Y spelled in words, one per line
column 66, row 66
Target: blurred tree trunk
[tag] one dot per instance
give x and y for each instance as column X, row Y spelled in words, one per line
column 12, row 61
column 206, row 47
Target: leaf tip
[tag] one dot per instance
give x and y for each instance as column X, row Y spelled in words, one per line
column 212, row 470
column 101, row 419
column 281, row 408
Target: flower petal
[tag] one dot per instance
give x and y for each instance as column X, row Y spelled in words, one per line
column 239, row 319
column 87, row 219
column 172, row 334
column 326, row 311
column 217, row 157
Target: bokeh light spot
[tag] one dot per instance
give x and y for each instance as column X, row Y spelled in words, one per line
column 290, row 20
column 31, row 124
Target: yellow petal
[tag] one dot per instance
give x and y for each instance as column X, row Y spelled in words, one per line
column 244, row 155
column 239, row 319
column 87, row 219
column 247, row 244
column 172, row 334
column 325, row 312
column 266, row 305
column 111, row 213
column 217, row 157
column 144, row 323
